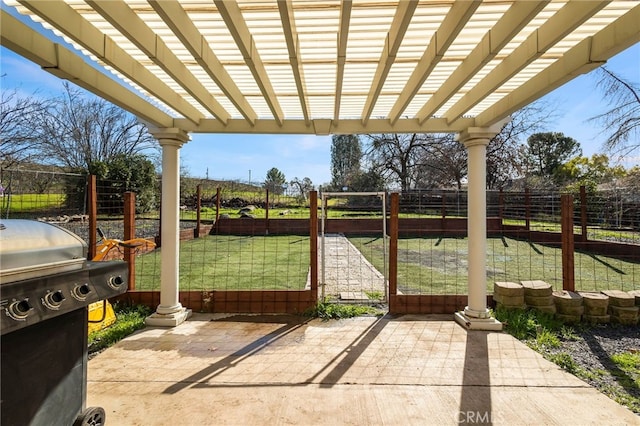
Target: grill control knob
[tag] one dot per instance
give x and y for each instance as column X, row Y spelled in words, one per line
column 81, row 291
column 53, row 299
column 115, row 282
column 19, row 309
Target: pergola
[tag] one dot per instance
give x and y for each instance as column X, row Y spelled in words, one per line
column 322, row 67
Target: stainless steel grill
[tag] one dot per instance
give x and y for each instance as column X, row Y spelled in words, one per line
column 46, row 284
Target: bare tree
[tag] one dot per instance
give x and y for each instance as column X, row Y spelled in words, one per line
column 621, row 123
column 303, row 186
column 18, row 135
column 505, row 152
column 439, row 160
column 443, row 162
column 77, row 131
column 397, row 157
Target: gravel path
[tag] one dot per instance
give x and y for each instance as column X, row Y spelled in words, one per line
column 347, row 274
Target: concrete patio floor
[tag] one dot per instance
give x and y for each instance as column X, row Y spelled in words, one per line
column 270, row 370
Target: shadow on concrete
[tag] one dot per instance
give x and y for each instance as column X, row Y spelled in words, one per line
column 291, row 323
column 349, row 354
column 475, row 398
column 353, row 352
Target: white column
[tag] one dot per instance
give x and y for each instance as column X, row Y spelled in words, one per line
column 170, row 311
column 475, row 314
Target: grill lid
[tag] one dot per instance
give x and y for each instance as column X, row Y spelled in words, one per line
column 29, row 249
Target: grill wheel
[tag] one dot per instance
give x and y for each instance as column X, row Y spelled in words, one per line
column 92, row 416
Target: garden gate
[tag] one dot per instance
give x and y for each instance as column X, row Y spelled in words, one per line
column 345, row 274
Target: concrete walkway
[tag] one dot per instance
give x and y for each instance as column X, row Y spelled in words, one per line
column 280, row 370
column 348, row 275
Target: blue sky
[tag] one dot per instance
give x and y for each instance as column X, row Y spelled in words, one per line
column 244, row 157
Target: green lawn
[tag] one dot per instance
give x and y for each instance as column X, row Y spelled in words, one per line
column 28, row 203
column 222, row 262
column 425, row 265
column 439, row 266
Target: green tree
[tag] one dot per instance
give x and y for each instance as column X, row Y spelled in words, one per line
column 547, row 152
column 589, row 172
column 275, row 181
column 346, row 154
column 125, row 173
column 367, row 182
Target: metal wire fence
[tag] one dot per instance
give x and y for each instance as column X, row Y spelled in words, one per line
column 524, row 240
column 253, row 239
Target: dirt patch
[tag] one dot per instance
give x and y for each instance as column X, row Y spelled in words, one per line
column 442, row 261
column 145, row 228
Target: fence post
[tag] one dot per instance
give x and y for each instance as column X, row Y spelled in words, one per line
column 217, row 208
column 130, row 233
column 393, row 247
column 92, row 199
column 443, row 210
column 583, row 212
column 501, row 208
column 196, row 232
column 527, row 209
column 266, row 220
column 568, row 278
column 313, row 237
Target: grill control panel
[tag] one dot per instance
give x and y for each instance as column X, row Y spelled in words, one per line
column 27, row 302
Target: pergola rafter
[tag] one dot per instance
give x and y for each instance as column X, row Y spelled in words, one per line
column 232, row 16
column 293, row 46
column 178, row 21
column 343, row 32
column 543, row 38
column 453, row 23
column 392, row 43
column 511, row 23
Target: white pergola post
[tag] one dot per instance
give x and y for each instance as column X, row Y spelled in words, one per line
column 476, row 315
column 170, row 311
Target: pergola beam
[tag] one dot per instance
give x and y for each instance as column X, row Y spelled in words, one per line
column 453, row 23
column 392, row 43
column 182, row 26
column 65, row 64
column 122, row 17
column 326, row 126
column 291, row 38
column 567, row 19
column 69, row 22
column 232, row 16
column 582, row 58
